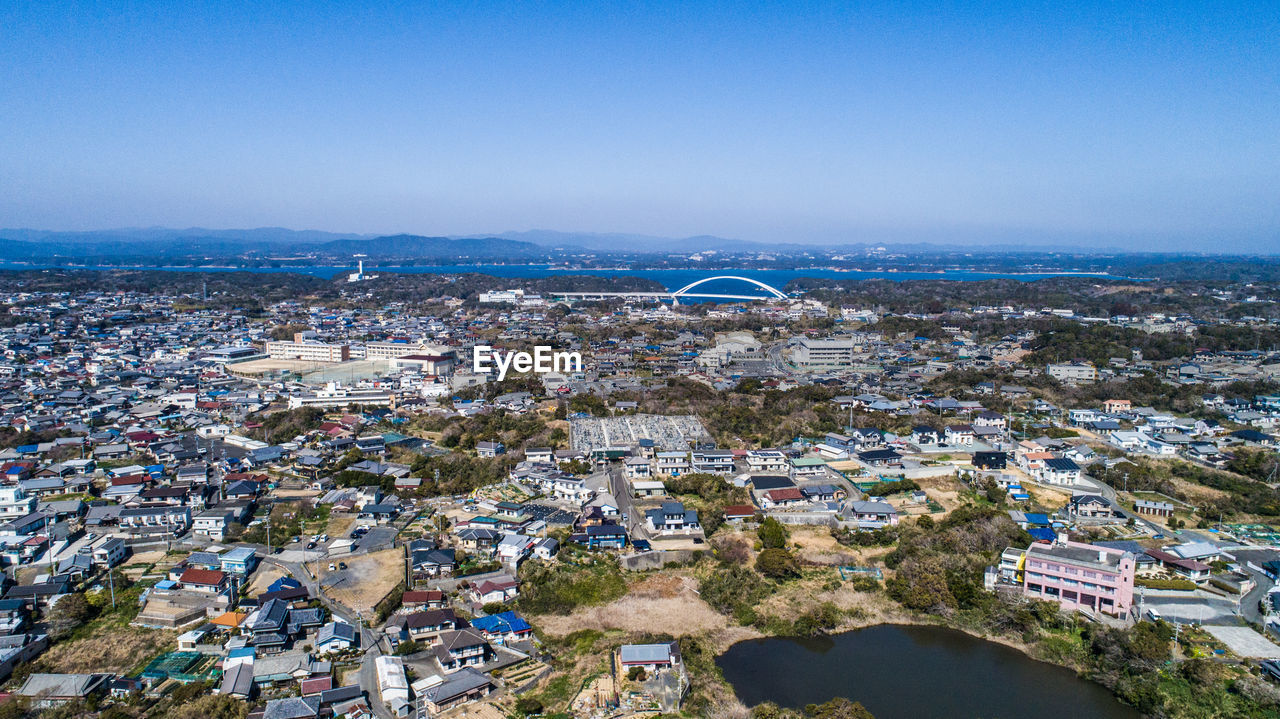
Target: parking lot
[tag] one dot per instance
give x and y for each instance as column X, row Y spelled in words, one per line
column 1192, row 610
column 1245, row 642
column 553, row 516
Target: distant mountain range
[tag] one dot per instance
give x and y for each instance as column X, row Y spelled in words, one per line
column 620, row 241
column 261, row 243
column 276, row 242
column 195, row 245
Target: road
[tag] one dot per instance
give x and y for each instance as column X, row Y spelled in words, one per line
column 775, row 355
column 621, row 491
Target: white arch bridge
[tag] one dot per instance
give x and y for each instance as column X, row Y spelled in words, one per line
column 689, row 290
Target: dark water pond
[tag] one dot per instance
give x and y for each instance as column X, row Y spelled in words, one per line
column 912, row 672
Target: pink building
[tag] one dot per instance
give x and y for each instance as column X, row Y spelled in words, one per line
column 1080, row 576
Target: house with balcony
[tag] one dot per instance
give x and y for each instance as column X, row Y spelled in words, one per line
column 239, row 561
column 600, row 536
column 110, row 552
column 767, row 461
column 14, row 503
column 713, row 461
column 1060, row 471
column 461, row 648
column 213, row 523
column 961, row 434
column 156, row 520
column 423, row 627
column 673, row 464
column 673, row 518
column 637, row 468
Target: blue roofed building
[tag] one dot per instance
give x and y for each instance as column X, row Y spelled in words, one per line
column 503, row 627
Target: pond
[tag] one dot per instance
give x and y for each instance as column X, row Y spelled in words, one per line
column 908, row 672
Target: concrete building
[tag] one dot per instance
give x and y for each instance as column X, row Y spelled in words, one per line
column 1080, row 576
column 309, row 351
column 829, row 352
column 1073, row 372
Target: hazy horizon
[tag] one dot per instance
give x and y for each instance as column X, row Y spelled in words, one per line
column 1149, row 128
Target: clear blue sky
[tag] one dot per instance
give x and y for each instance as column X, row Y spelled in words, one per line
column 1156, row 124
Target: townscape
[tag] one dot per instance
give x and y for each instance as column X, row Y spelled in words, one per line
column 318, row 509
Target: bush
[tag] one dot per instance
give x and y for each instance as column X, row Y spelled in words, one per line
column 818, row 621
column 734, row 590
column 636, row 674
column 210, row 706
column 404, row 649
column 528, row 706
column 1149, row 583
column 777, row 563
column 559, row 589
column 885, row 489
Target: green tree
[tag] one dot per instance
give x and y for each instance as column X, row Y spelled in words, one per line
column 772, row 533
column 404, row 649
column 777, row 563
column 70, row 612
column 838, row 708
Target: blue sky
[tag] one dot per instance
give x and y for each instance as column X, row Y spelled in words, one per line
column 1152, row 125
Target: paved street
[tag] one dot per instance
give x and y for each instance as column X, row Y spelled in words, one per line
column 621, row 491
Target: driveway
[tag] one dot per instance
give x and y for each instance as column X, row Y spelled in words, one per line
column 621, row 491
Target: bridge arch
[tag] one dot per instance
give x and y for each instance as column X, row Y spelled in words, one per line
column 686, row 289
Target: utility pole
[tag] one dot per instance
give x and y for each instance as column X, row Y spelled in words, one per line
column 111, row 582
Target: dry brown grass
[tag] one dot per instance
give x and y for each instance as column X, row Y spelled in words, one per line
column 663, row 603
column 943, row 490
column 266, row 574
column 1048, row 496
column 1193, row 493
column 118, row 651
column 365, row 581
column 339, row 525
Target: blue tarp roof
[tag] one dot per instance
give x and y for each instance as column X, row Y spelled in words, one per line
column 1036, row 518
column 1042, row 534
column 504, row 623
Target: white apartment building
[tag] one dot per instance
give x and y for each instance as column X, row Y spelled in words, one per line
column 768, row 461
column 673, row 463
column 1073, row 373
column 392, row 350
column 15, row 503
column 828, row 352
column 309, row 351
